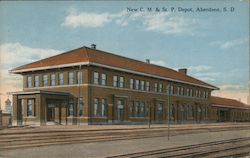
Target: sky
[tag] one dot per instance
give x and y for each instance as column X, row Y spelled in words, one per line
column 213, row 45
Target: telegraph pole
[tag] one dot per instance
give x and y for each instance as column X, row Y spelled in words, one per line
column 168, row 112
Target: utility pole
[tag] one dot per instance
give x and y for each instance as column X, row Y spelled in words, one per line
column 149, row 115
column 168, row 111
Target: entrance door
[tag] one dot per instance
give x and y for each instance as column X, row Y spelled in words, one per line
column 159, row 112
column 120, row 110
column 51, row 112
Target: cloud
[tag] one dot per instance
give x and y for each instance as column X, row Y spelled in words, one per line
column 152, row 21
column 168, row 24
column 199, row 68
column 159, row 62
column 232, row 87
column 13, row 55
column 229, row 44
column 203, row 72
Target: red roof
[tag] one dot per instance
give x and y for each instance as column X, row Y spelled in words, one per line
column 218, row 101
column 86, row 54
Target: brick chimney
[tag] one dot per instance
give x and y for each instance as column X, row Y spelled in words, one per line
column 183, row 71
column 93, row 46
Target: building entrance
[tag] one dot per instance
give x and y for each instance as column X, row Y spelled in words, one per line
column 120, row 110
column 51, row 113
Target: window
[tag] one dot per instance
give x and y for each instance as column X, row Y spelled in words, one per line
column 52, row 79
column 131, row 106
column 142, row 85
column 104, row 79
column 191, row 92
column 45, row 80
column 171, row 89
column 29, row 81
column 207, row 94
column 196, row 93
column 187, row 91
column 178, row 90
column 96, row 107
column 199, row 94
column 137, row 108
column 142, row 109
column 96, row 78
column 156, row 87
column 80, row 106
column 79, row 77
column 30, row 107
column 60, row 79
column 36, row 81
column 115, row 81
column 71, row 107
column 147, row 86
column 71, row 78
column 104, row 107
column 137, row 84
column 204, row 94
column 131, row 83
column 121, row 80
column 182, row 91
column 160, row 88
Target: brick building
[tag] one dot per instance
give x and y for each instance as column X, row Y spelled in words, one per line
column 90, row 86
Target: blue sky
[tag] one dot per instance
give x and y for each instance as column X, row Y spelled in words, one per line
column 212, row 45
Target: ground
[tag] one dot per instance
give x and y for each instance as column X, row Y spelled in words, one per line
column 110, row 148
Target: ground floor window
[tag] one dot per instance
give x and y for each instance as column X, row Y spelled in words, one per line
column 137, row 108
column 96, row 104
column 30, row 107
column 80, row 106
column 104, row 107
column 71, row 107
column 131, row 107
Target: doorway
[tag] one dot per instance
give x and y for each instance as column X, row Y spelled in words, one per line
column 51, row 113
column 120, row 110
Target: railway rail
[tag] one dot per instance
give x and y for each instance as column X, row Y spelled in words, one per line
column 226, row 148
column 37, row 139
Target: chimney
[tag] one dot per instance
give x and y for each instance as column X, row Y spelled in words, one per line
column 93, row 46
column 147, row 61
column 183, row 71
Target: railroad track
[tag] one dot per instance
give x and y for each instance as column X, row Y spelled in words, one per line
column 226, row 148
column 37, row 139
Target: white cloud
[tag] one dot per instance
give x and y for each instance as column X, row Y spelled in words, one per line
column 168, row 24
column 232, row 87
column 229, row 44
column 159, row 62
column 199, row 68
column 13, row 54
column 156, row 22
column 87, row 20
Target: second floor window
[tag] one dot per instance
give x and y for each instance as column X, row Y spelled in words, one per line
column 36, row 81
column 60, row 79
column 71, row 78
column 160, row 87
column 29, row 81
column 187, row 92
column 115, row 81
column 182, row 91
column 178, row 91
column 79, row 77
column 45, row 80
column 156, row 87
column 191, row 93
column 142, row 85
column 96, row 78
column 104, row 79
column 121, row 82
column 131, row 84
column 52, row 79
column 137, row 84
column 147, row 86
